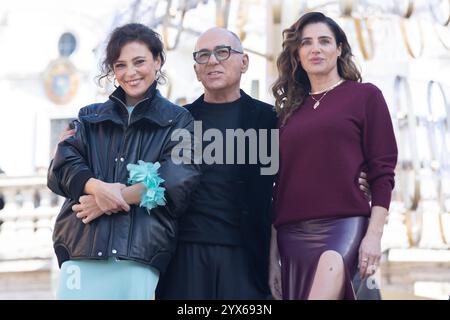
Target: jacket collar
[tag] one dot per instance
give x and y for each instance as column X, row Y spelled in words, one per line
column 118, row 96
column 150, row 108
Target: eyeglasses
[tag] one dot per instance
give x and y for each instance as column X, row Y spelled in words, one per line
column 221, row 53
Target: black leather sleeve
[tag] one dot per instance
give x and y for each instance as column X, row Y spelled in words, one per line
column 182, row 175
column 69, row 170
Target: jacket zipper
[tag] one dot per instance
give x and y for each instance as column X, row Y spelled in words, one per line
column 125, row 133
column 129, row 113
column 110, row 244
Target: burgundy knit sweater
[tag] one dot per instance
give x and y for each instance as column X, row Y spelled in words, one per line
column 322, row 152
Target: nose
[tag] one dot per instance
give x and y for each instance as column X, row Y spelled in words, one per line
column 131, row 70
column 316, row 47
column 212, row 59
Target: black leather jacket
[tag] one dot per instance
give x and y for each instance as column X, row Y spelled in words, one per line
column 106, row 140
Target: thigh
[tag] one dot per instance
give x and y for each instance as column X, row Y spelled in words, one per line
column 302, row 244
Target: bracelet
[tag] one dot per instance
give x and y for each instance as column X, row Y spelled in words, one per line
column 147, row 173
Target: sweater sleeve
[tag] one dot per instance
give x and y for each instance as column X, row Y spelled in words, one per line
column 380, row 149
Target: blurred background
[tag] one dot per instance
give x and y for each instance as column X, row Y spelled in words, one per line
column 50, row 51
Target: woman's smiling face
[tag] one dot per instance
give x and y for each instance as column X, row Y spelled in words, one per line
column 135, row 70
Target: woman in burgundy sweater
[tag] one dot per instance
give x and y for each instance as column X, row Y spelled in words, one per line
column 332, row 126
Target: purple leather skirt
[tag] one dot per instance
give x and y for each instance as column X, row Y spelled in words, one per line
column 301, row 245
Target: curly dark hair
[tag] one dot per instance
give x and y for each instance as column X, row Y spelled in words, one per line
column 128, row 33
column 292, row 85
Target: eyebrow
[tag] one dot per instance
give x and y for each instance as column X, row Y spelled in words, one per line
column 216, row 47
column 321, row 37
column 135, row 58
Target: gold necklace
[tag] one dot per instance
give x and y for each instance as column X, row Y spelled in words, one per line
column 326, row 91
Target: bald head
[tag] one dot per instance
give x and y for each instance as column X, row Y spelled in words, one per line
column 220, row 77
column 219, row 34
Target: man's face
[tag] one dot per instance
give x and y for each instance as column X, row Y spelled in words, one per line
column 220, row 76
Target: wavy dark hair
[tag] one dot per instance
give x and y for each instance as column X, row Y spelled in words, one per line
column 128, row 33
column 292, row 85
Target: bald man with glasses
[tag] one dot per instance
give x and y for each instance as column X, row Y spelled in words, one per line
column 224, row 236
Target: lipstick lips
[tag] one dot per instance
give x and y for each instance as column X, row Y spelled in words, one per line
column 316, row 60
column 134, row 81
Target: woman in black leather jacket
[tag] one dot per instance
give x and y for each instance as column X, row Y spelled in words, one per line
column 124, row 236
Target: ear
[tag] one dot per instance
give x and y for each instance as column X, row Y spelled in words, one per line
column 196, row 71
column 245, row 63
column 339, row 50
column 157, row 61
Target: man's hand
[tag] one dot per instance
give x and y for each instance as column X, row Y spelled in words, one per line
column 66, row 134
column 364, row 185
column 87, row 209
column 275, row 280
column 275, row 267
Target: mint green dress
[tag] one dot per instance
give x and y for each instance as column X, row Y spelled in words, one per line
column 110, row 279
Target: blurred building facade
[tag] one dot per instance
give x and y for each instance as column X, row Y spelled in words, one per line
column 51, row 52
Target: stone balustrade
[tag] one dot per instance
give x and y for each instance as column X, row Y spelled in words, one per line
column 27, row 218
column 28, row 267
